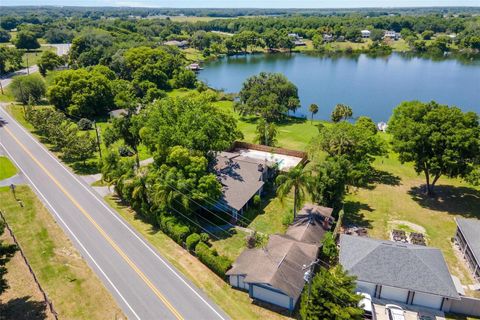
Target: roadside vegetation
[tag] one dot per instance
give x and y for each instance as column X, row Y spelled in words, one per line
column 75, row 290
column 7, row 169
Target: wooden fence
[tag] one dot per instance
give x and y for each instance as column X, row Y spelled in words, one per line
column 44, row 294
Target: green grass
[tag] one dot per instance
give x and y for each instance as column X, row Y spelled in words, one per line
column 75, row 290
column 235, row 303
column 7, row 169
column 400, row 45
column 231, row 246
column 344, row 45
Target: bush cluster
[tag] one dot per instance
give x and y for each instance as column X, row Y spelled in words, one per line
column 192, row 241
column 209, row 257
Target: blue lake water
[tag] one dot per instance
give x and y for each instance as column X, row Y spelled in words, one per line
column 371, row 86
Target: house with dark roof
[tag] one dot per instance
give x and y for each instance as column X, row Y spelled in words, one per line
column 275, row 273
column 241, row 178
column 467, row 238
column 403, row 273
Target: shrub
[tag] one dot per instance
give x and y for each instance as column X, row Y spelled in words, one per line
column 84, row 124
column 192, row 241
column 257, row 201
column 124, row 151
column 174, row 228
column 204, row 237
column 216, row 263
column 287, row 218
column 26, row 88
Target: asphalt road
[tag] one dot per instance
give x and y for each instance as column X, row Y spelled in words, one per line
column 143, row 283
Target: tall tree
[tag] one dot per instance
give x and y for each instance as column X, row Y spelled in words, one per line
column 6, row 253
column 28, row 88
column 298, row 179
column 266, row 133
column 332, row 296
column 438, row 139
column 313, row 109
column 341, row 112
column 270, row 95
column 26, row 40
column 48, row 62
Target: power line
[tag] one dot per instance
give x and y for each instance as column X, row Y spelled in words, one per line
column 195, row 223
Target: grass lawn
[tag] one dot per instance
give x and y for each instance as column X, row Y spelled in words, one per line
column 236, row 303
column 32, row 57
column 75, row 290
column 344, row 45
column 399, row 201
column 7, row 169
column 400, row 45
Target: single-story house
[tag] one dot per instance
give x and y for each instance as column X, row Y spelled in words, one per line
column 365, row 33
column 117, row 113
column 403, row 273
column 242, row 178
column 275, row 274
column 176, row 43
column 327, row 37
column 467, row 238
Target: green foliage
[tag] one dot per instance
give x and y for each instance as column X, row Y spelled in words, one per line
column 192, row 241
column 11, row 56
column 90, row 48
column 79, row 147
column 266, row 133
column 257, row 201
column 49, row 61
column 438, row 139
column 4, row 36
column 9, row 22
column 204, row 237
column 192, row 122
column 174, row 228
column 332, row 297
column 84, row 124
column 329, row 249
column 218, row 264
column 58, row 35
column 367, row 124
column 341, row 112
column 184, row 79
column 26, row 40
column 28, row 89
column 82, row 92
column 427, row 34
column 270, row 95
column 7, row 251
column 298, row 179
column 313, row 109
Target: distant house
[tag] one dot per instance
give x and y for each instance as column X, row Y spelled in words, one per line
column 382, row 126
column 365, row 33
column 403, row 273
column 327, row 37
column 392, row 35
column 194, row 67
column 294, row 36
column 118, row 113
column 274, row 274
column 297, row 40
column 175, row 43
column 467, row 238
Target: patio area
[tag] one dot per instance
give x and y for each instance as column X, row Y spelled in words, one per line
column 411, row 312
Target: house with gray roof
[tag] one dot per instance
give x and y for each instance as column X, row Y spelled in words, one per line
column 403, row 273
column 241, row 178
column 467, row 238
column 275, row 273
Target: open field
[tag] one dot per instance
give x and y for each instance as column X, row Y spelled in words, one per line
column 235, row 303
column 75, row 290
column 7, row 169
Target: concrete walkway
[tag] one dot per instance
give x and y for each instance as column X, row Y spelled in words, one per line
column 16, row 179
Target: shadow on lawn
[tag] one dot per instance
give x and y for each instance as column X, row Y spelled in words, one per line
column 23, row 309
column 353, row 215
column 463, row 201
column 384, row 177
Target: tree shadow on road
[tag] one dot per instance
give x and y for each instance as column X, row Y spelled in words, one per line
column 463, row 201
column 23, row 308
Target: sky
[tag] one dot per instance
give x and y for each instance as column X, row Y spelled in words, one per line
column 248, row 3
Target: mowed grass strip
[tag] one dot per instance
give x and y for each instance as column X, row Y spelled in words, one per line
column 235, row 303
column 7, row 169
column 76, row 292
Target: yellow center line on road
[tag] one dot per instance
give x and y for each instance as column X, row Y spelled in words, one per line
column 102, row 232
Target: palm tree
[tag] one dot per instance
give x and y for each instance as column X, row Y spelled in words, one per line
column 313, row 109
column 297, row 178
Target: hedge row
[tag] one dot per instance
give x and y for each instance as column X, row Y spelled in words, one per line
column 209, row 257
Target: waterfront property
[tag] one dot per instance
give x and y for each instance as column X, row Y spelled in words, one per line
column 274, row 274
column 365, row 33
column 392, row 35
column 467, row 238
column 403, row 273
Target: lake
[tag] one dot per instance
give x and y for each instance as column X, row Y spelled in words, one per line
column 371, row 86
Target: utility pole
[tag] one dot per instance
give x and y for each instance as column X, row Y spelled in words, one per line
column 28, row 69
column 98, row 139
column 308, row 276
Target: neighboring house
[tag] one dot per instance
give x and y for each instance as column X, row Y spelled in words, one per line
column 275, row 274
column 467, row 238
column 365, row 33
column 118, row 113
column 297, row 40
column 327, row 37
column 392, row 35
column 176, row 43
column 242, row 178
column 194, row 67
column 403, row 273
column 382, row 126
